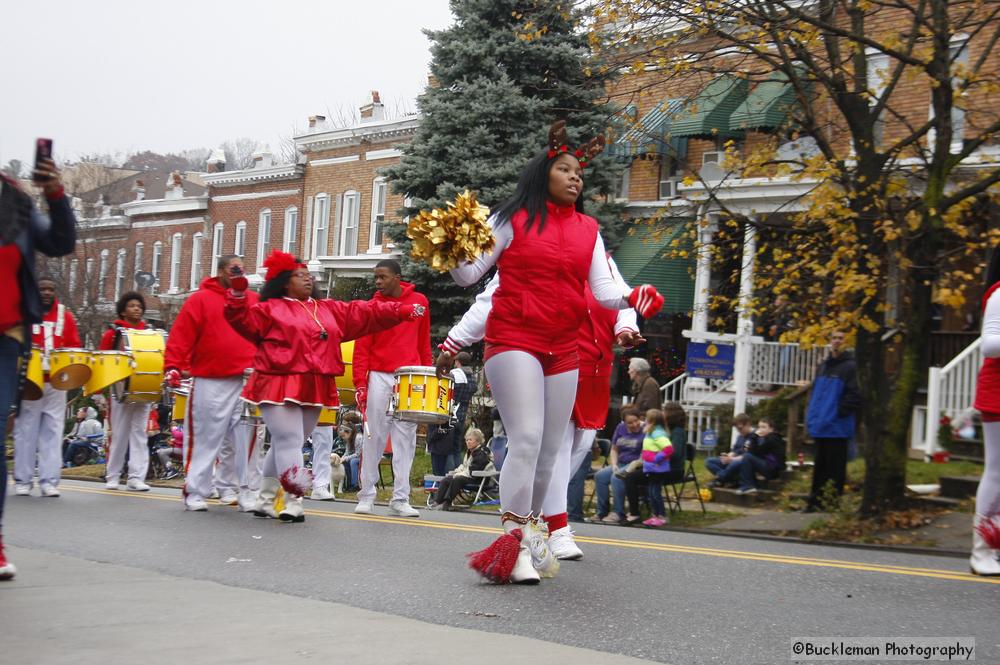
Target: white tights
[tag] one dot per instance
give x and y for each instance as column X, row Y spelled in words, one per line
column 988, row 494
column 535, row 410
column 571, row 454
column 289, row 424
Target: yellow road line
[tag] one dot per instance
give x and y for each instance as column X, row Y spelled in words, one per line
column 614, row 542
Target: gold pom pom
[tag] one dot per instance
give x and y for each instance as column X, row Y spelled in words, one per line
column 446, row 238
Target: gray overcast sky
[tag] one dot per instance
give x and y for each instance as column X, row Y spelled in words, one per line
column 128, row 75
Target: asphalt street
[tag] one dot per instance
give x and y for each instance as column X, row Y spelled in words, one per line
column 149, row 576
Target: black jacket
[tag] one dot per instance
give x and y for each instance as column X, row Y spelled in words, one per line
column 771, row 449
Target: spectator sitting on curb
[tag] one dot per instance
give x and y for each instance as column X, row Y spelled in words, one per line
column 477, row 458
column 765, row 454
column 726, row 466
column 626, row 447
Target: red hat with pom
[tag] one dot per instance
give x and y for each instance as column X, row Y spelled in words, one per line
column 278, row 262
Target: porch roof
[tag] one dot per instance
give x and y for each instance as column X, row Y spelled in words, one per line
column 643, row 258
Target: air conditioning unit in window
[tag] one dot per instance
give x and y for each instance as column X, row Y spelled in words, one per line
column 668, row 189
column 714, row 157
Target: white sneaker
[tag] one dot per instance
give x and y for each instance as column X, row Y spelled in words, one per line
column 135, row 485
column 111, row 485
column 195, row 503
column 22, row 489
column 403, row 509
column 247, row 501
column 562, row 545
column 364, row 507
column 322, row 494
column 214, row 494
column 229, row 498
column 50, row 490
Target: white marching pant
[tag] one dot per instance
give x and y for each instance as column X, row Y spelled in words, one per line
column 255, row 455
column 128, row 433
column 322, row 438
column 289, row 424
column 380, row 428
column 38, row 433
column 577, row 446
column 988, row 494
column 213, row 415
column 536, row 411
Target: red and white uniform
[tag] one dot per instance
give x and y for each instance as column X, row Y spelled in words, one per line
column 39, row 426
column 375, row 359
column 216, row 357
column 128, row 423
column 985, row 560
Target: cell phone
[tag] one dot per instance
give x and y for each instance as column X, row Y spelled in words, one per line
column 43, row 151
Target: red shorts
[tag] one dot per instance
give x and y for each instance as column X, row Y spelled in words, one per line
column 593, row 394
column 551, row 363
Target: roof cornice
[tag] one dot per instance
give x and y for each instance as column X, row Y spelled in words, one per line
column 160, row 206
column 373, row 131
column 250, row 176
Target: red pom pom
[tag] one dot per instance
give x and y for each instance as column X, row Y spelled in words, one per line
column 989, row 529
column 296, row 480
column 278, row 262
column 496, row 562
column 564, row 148
column 552, row 153
column 578, row 153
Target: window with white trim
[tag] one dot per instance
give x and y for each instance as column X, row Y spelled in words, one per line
column 380, row 189
column 289, row 242
column 878, row 74
column 120, row 274
column 74, row 265
column 349, row 213
column 196, row 259
column 102, row 276
column 175, row 263
column 87, row 283
column 155, row 268
column 137, row 266
column 217, row 231
column 958, row 56
column 240, row 245
column 321, row 225
column 263, row 237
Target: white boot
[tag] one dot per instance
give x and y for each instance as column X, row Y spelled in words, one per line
column 523, row 572
column 984, row 559
column 541, row 557
column 265, row 500
column 292, row 512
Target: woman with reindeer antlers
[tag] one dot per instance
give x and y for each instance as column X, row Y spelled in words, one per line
column 298, row 357
column 547, row 250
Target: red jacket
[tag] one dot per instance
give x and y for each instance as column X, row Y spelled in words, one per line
column 596, row 339
column 64, row 335
column 405, row 345
column 287, row 339
column 110, row 335
column 988, row 382
column 201, row 343
column 540, row 304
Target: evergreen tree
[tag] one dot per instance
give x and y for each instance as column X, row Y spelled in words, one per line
column 503, row 73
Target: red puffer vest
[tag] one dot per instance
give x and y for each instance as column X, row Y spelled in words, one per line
column 988, row 384
column 540, row 303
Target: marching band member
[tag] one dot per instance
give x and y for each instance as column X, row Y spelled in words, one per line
column 38, row 429
column 216, row 357
column 297, row 359
column 128, row 419
column 376, row 358
column 985, row 556
column 547, row 251
column 600, row 329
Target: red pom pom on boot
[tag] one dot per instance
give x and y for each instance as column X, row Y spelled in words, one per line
column 507, row 560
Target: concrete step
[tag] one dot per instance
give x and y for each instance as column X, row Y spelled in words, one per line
column 922, row 501
column 959, row 487
column 978, row 459
column 731, row 497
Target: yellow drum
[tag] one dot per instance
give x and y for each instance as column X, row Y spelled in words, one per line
column 145, row 384
column 34, row 376
column 251, row 413
column 70, row 368
column 345, row 383
column 180, row 395
column 107, row 368
column 419, row 396
column 328, row 416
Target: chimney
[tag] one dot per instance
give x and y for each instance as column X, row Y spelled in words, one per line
column 216, row 161
column 373, row 111
column 140, row 190
column 317, row 123
column 432, row 81
column 175, row 187
column 262, row 160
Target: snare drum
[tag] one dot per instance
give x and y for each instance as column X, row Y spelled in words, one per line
column 70, row 368
column 180, row 395
column 345, row 383
column 145, row 384
column 34, row 376
column 419, row 396
column 107, row 368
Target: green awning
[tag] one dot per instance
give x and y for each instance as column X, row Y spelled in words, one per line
column 707, row 113
column 643, row 257
column 651, row 135
column 767, row 106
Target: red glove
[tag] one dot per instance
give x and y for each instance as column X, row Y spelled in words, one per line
column 361, row 397
column 645, row 300
column 172, row 378
column 409, row 312
column 239, row 284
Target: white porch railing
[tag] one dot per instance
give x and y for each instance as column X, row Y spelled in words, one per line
column 950, row 391
column 783, row 364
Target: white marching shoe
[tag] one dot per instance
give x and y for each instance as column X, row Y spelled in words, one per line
column 523, row 572
column 322, row 494
column 562, row 545
column 364, row 507
column 136, row 485
column 403, row 509
column 195, row 504
column 229, row 498
column 984, row 559
column 292, row 512
column 265, row 500
column 247, row 501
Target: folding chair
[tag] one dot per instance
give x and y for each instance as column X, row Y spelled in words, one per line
column 687, row 475
column 605, row 453
column 484, row 486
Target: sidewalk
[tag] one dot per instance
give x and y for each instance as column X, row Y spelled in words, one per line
column 66, row 611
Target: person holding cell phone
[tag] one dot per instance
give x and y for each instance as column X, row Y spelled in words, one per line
column 24, row 230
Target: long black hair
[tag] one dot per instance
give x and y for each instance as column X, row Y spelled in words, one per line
column 532, row 192
column 275, row 287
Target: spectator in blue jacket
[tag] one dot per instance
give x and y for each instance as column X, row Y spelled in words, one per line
column 830, row 418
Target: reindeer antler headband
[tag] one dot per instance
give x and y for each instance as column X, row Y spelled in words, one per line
column 559, row 143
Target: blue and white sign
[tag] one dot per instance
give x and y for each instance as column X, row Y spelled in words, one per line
column 709, row 439
column 710, row 360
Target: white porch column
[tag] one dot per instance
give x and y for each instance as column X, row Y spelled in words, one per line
column 744, row 325
column 703, row 272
